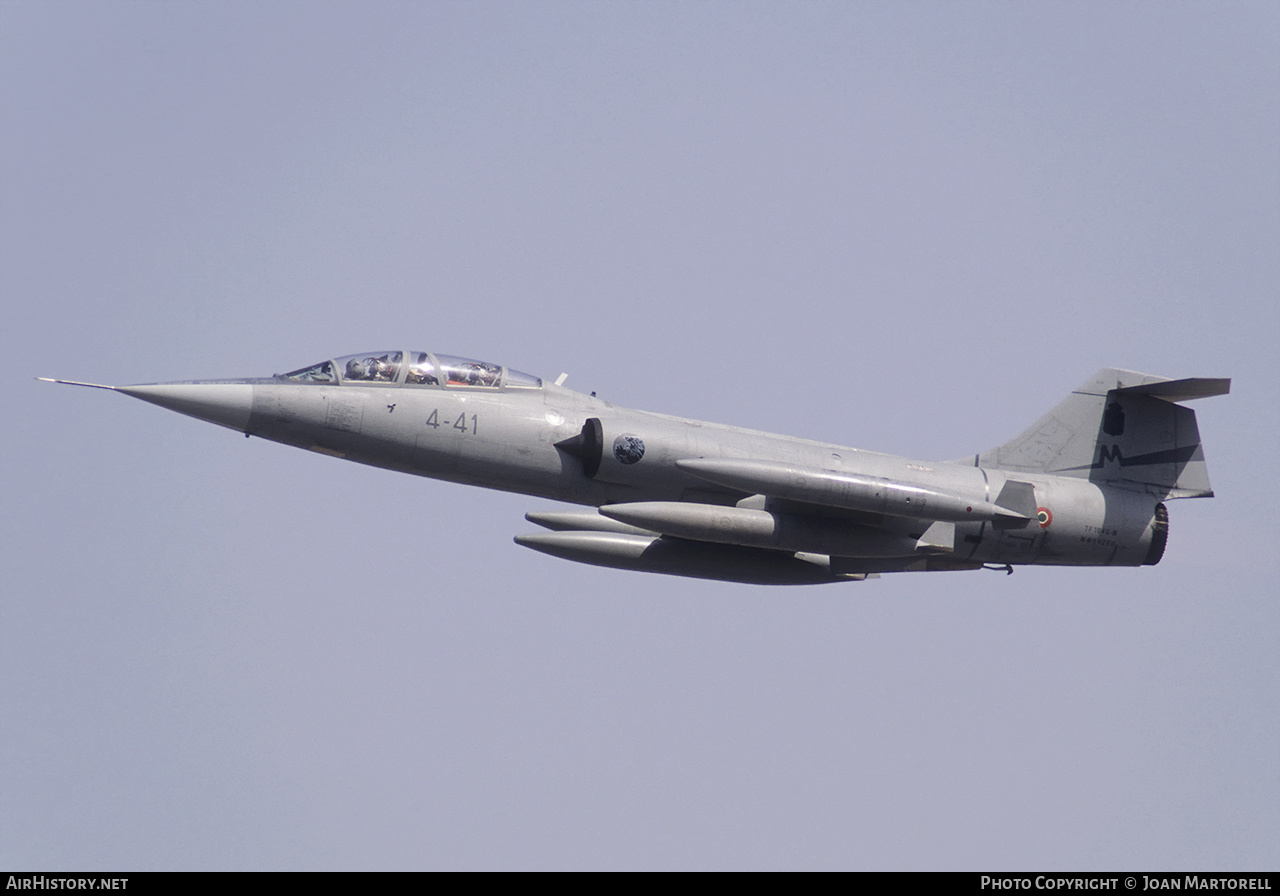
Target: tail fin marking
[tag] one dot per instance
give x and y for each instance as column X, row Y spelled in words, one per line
column 1120, row 428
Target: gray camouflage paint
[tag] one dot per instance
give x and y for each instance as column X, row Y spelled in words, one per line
column 1082, row 486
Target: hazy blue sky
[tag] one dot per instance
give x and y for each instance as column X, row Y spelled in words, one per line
column 908, row 227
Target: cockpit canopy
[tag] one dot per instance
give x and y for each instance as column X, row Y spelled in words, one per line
column 421, row 369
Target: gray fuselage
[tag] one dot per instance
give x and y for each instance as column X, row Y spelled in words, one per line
column 1084, row 485
column 506, row 439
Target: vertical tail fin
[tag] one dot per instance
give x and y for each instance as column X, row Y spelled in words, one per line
column 1120, row 428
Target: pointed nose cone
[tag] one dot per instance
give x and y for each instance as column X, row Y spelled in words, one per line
column 226, row 404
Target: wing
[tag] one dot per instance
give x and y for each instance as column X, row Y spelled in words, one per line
column 796, row 526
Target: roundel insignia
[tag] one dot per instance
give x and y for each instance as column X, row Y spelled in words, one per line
column 1044, row 517
column 628, row 449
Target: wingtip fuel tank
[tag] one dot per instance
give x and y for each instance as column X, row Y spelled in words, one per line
column 679, row 557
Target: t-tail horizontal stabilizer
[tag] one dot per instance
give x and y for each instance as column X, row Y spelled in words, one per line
column 1123, row 429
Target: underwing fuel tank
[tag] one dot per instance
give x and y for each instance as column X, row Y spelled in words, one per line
column 582, row 521
column 692, row 559
column 761, row 529
column 849, row 491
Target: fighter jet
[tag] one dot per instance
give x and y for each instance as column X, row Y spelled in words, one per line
column 1084, row 486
